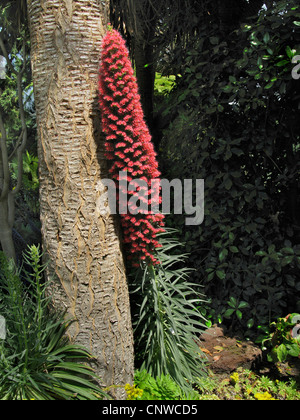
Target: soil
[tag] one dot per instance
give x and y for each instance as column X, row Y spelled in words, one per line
column 227, row 353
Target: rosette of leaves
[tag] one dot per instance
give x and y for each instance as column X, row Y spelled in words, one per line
column 166, row 316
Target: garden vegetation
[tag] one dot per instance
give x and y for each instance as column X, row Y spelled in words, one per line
column 205, row 92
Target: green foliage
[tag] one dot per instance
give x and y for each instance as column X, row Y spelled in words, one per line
column 27, row 222
column 163, row 84
column 161, row 388
column 18, row 128
column 17, row 45
column 235, row 307
column 244, row 384
column 235, row 123
column 30, row 171
column 282, row 339
column 165, row 317
column 27, row 215
column 36, row 359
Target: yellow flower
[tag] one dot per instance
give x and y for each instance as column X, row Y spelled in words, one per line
column 263, row 396
column 234, row 378
column 133, row 393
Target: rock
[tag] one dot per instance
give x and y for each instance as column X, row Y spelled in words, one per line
column 226, row 354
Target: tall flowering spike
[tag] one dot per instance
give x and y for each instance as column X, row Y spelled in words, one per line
column 128, row 145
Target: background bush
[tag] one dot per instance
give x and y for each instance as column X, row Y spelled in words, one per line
column 233, row 120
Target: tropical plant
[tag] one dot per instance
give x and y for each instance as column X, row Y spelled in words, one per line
column 166, row 320
column 37, row 361
column 129, row 148
column 281, row 340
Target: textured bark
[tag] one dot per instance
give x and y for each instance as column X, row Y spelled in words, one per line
column 6, row 230
column 80, row 236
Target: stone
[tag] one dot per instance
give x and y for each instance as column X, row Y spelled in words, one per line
column 225, row 354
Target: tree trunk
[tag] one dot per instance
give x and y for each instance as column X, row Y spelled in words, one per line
column 145, row 72
column 6, row 226
column 144, row 58
column 80, row 236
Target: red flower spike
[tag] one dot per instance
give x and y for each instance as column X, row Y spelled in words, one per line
column 128, row 144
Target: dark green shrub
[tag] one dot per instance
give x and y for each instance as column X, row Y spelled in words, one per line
column 235, row 124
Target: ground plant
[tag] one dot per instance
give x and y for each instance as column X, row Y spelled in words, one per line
column 245, row 384
column 37, row 361
column 242, row 384
column 282, row 339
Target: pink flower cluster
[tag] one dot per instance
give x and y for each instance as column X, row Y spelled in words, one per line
column 128, row 144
